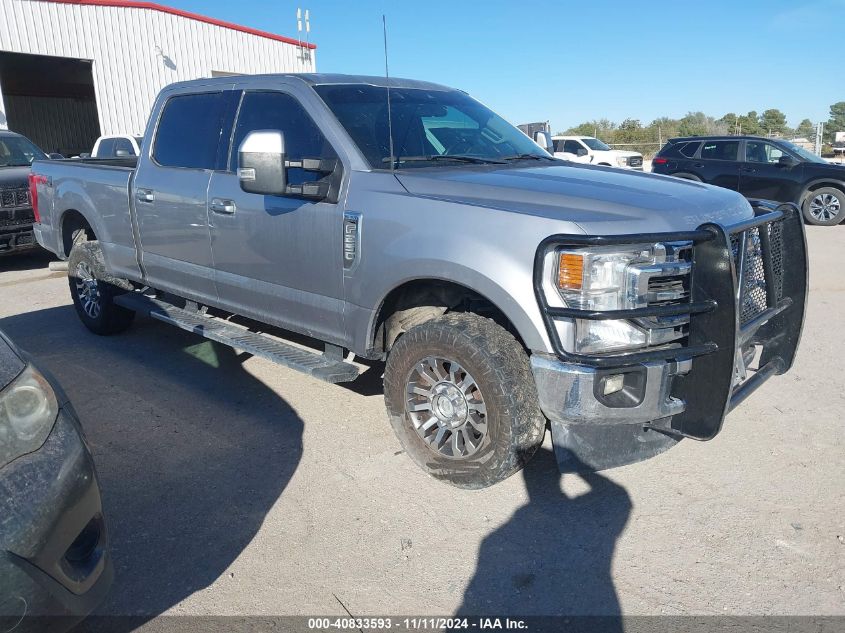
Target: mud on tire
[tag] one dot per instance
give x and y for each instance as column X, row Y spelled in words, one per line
column 498, row 366
column 93, row 290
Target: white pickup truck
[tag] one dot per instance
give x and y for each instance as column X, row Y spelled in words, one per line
column 586, row 149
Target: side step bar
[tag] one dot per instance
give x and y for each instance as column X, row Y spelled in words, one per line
column 310, row 363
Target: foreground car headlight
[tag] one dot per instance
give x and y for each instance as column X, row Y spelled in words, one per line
column 28, row 409
column 612, row 278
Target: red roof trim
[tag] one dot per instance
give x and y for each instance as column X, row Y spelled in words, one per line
column 135, row 4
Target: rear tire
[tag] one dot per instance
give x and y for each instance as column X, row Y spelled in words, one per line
column 462, row 400
column 93, row 290
column 824, row 206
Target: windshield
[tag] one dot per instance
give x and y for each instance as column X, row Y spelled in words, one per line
column 17, row 151
column 429, row 126
column 594, row 143
column 803, row 153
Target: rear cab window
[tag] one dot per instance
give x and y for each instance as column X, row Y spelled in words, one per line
column 189, row 130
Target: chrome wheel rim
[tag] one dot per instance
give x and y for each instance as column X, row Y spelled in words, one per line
column 446, row 407
column 87, row 290
column 825, row 207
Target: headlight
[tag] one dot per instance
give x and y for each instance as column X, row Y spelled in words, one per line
column 622, row 161
column 617, row 278
column 28, row 409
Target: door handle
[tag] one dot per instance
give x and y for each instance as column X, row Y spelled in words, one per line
column 698, row 165
column 145, row 195
column 749, row 170
column 225, row 207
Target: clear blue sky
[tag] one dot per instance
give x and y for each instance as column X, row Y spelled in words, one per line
column 569, row 61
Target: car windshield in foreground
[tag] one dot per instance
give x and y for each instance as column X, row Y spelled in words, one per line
column 430, row 127
column 16, row 151
column 803, row 153
column 595, row 144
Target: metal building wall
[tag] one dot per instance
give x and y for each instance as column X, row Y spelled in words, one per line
column 137, row 51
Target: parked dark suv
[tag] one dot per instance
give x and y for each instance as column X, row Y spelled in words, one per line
column 769, row 169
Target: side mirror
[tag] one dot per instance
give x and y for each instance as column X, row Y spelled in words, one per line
column 261, row 163
column 581, row 152
column 122, row 153
column 544, row 140
column 787, row 161
column 55, row 156
column 85, row 155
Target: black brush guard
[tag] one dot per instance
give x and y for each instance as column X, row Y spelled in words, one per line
column 727, row 310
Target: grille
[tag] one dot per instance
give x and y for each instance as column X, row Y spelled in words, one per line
column 635, row 161
column 20, row 218
column 14, row 198
column 671, row 290
column 753, row 286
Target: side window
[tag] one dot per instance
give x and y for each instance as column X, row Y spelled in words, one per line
column 689, row 149
column 189, row 131
column 281, row 111
column 720, row 150
column 762, row 152
column 106, row 148
column 123, row 145
column 572, row 147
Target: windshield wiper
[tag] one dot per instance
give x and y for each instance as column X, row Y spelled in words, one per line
column 528, row 156
column 438, row 157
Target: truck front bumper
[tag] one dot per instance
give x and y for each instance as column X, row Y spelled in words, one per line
column 17, row 240
column 680, row 391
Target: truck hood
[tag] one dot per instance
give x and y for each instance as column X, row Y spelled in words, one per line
column 14, row 177
column 600, row 200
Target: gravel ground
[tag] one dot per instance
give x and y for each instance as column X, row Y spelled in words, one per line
column 233, row 486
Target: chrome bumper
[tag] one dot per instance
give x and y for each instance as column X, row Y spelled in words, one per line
column 568, row 393
column 590, row 435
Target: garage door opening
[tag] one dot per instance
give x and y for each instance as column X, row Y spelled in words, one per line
column 51, row 101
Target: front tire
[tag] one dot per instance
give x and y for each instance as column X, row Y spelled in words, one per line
column 93, row 290
column 462, row 400
column 824, row 206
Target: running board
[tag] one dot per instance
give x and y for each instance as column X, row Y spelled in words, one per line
column 310, row 363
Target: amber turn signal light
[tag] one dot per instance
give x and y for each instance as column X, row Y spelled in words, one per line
column 570, row 273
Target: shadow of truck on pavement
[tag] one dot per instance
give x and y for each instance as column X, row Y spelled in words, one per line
column 553, row 556
column 192, row 450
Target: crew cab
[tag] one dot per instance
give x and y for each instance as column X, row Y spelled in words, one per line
column 16, row 215
column 586, row 149
column 501, row 287
column 767, row 168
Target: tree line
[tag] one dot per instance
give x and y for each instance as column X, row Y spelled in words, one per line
column 648, row 139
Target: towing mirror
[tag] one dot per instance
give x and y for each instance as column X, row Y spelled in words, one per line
column 261, row 163
column 581, row 152
column 544, row 140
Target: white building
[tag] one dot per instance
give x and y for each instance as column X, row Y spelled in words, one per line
column 71, row 70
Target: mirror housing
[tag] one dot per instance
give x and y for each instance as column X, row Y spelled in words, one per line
column 581, row 152
column 544, row 140
column 787, row 161
column 55, row 156
column 261, row 163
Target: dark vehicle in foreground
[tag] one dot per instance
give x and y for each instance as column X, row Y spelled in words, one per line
column 761, row 168
column 16, row 214
column 502, row 287
column 54, row 560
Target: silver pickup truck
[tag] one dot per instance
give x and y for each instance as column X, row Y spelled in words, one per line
column 405, row 222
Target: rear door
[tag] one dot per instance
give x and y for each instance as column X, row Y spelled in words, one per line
column 718, row 163
column 762, row 175
column 170, row 194
column 278, row 258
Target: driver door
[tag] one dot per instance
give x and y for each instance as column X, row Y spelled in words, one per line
column 276, row 258
column 762, row 176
